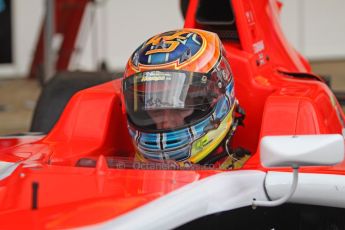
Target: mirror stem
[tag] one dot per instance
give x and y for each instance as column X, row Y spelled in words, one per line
column 283, row 199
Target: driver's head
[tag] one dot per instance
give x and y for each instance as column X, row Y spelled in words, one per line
column 179, row 95
column 169, row 119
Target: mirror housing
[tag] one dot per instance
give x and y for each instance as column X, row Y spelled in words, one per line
column 302, row 150
column 296, row 151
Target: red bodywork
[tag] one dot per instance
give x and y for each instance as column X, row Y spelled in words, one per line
column 94, row 125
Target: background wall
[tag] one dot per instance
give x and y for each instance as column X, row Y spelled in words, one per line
column 317, row 29
column 117, row 28
column 121, row 26
column 26, row 17
column 314, row 27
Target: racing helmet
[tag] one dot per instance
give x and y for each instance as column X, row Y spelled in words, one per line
column 179, row 96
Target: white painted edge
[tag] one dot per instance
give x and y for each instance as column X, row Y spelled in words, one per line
column 7, row 168
column 221, row 192
column 314, row 189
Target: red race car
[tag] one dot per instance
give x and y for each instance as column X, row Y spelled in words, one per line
column 83, row 173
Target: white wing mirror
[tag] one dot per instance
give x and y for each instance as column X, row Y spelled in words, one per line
column 296, row 151
column 303, row 150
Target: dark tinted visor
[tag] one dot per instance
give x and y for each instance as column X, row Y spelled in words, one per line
column 156, row 97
